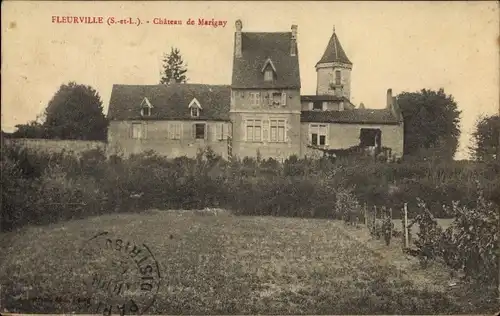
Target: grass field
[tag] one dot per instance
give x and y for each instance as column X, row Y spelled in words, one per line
column 223, row 264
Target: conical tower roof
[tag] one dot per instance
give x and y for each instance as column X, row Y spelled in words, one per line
column 334, row 52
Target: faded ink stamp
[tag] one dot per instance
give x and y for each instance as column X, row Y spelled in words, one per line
column 121, row 276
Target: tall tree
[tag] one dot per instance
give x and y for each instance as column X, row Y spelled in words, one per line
column 431, row 121
column 76, row 112
column 485, row 138
column 173, row 67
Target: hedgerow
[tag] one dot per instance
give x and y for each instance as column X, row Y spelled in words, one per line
column 42, row 187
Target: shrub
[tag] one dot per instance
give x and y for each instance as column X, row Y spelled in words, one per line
column 306, row 187
column 347, row 206
column 470, row 244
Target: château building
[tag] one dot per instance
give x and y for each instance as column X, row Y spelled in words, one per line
column 261, row 112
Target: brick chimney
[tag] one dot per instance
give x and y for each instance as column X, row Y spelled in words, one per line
column 389, row 99
column 293, row 44
column 393, row 106
column 237, row 38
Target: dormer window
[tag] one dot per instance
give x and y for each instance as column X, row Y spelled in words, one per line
column 269, row 70
column 268, row 75
column 146, row 107
column 195, row 108
column 195, row 112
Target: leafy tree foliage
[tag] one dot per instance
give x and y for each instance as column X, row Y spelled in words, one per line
column 75, row 112
column 486, row 138
column 32, row 129
column 173, row 67
column 432, row 122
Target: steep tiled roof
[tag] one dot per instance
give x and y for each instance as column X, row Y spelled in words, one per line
column 356, row 116
column 256, row 49
column 169, row 101
column 334, row 52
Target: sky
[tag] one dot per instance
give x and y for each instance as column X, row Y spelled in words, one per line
column 406, row 46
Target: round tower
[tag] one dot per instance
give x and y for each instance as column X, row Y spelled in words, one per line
column 334, row 70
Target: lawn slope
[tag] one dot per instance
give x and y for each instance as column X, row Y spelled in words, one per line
column 222, row 264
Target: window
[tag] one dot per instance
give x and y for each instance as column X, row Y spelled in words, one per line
column 268, row 75
column 137, row 131
column 199, row 131
column 174, row 130
column 195, row 112
column 254, row 98
column 278, row 98
column 146, row 111
column 277, row 130
column 220, row 131
column 254, row 130
column 318, row 133
column 317, row 106
column 338, row 78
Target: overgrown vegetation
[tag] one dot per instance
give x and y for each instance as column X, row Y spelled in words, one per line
column 41, row 187
column 469, row 245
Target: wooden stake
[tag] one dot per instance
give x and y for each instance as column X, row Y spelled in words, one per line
column 390, row 227
column 403, row 227
column 366, row 214
column 406, row 225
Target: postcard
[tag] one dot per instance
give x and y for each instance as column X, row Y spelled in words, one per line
column 267, row 157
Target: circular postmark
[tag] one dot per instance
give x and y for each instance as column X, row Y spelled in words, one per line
column 120, row 276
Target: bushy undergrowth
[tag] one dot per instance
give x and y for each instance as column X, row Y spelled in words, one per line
column 470, row 244
column 42, row 187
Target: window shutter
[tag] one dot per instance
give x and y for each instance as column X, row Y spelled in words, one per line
column 265, row 130
column 283, row 98
column 245, row 131
column 327, row 135
column 213, row 130
column 206, row 131
column 220, row 131
column 171, row 130
column 193, row 133
column 229, row 131
column 286, row 131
